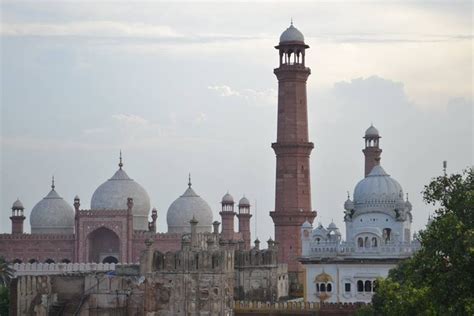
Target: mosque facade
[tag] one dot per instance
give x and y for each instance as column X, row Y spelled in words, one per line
column 115, row 227
column 378, row 236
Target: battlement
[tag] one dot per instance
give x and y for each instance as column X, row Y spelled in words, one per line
column 60, row 268
column 37, row 236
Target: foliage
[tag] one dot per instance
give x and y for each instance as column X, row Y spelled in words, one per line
column 6, row 273
column 439, row 278
column 4, row 300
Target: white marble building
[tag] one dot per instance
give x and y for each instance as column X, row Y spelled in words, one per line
column 378, row 236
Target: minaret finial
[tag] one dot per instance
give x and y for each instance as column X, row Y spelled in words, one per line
column 291, row 21
column 52, row 183
column 407, row 196
column 445, row 165
column 120, row 160
column 348, row 195
column 189, row 180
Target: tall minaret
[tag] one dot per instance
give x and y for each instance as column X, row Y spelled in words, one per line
column 371, row 151
column 292, row 149
column 244, row 221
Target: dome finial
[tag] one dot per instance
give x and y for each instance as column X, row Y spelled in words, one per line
column 120, row 160
column 291, row 21
column 52, row 183
column 348, row 195
column 407, row 196
column 189, row 180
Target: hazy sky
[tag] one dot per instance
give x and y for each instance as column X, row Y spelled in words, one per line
column 189, row 87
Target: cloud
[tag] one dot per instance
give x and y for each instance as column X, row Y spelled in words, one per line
column 251, row 96
column 89, row 29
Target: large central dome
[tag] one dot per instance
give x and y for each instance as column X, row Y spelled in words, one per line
column 184, row 208
column 113, row 195
column 378, row 189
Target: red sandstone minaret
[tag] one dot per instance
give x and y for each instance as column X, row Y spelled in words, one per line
column 244, row 221
column 17, row 217
column 371, row 151
column 292, row 149
column 227, row 217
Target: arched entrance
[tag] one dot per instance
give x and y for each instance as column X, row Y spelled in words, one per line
column 110, row 259
column 103, row 244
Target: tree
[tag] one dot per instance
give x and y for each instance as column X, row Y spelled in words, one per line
column 439, row 278
column 6, row 273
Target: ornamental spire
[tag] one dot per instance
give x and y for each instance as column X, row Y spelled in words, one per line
column 189, row 180
column 52, row 183
column 120, row 160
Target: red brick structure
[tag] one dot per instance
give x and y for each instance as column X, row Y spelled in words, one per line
column 292, row 149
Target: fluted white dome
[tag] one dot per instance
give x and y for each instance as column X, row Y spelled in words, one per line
column 291, row 34
column 348, row 205
column 113, row 195
column 184, row 208
column 378, row 190
column 371, row 132
column 52, row 215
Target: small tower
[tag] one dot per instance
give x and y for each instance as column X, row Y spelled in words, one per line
column 244, row 221
column 371, row 151
column 17, row 217
column 227, row 215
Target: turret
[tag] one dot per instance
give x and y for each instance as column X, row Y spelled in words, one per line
column 244, row 221
column 227, row 216
column 17, row 217
column 371, row 151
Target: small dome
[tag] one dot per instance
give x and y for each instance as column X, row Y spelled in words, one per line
column 378, row 190
column 371, row 132
column 332, row 226
column 244, row 202
column 291, row 34
column 17, row 205
column 52, row 215
column 348, row 205
column 227, row 199
column 113, row 195
column 76, row 197
column 189, row 206
column 307, row 224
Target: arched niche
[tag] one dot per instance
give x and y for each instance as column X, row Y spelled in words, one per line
column 103, row 243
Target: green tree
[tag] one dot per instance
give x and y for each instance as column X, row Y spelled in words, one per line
column 439, row 278
column 6, row 273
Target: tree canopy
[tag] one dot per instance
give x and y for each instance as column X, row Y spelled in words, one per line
column 439, row 278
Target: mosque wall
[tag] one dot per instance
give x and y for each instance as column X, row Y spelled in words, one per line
column 24, row 248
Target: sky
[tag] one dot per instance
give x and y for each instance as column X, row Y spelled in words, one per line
column 189, row 88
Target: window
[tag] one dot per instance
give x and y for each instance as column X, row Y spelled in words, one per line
column 374, row 285
column 317, row 287
column 323, row 287
column 347, row 287
column 368, row 286
column 374, row 242
column 360, row 242
column 329, row 287
column 366, row 242
column 360, row 286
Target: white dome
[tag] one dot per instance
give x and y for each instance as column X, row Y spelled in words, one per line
column 113, row 195
column 291, row 34
column 332, row 226
column 348, row 205
column 184, row 208
column 378, row 190
column 244, row 202
column 227, row 199
column 372, row 132
column 307, row 224
column 17, row 205
column 52, row 215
